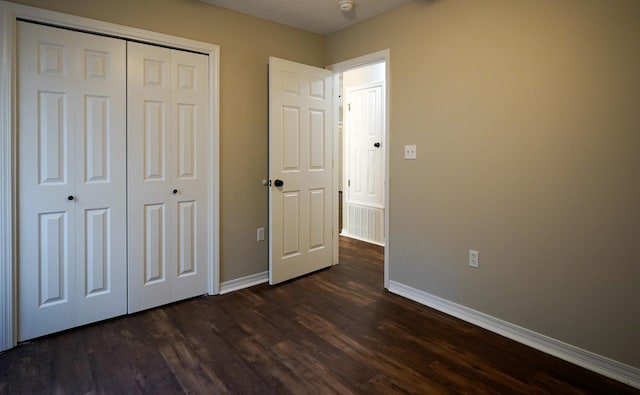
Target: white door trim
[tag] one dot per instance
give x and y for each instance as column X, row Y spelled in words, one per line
column 9, row 13
column 337, row 68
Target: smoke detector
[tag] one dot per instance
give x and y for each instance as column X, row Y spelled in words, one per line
column 346, row 5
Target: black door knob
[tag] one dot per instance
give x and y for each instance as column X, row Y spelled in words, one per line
column 175, row 191
column 70, row 197
column 377, row 145
column 278, row 183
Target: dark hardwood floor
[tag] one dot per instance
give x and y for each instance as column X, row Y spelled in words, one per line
column 333, row 332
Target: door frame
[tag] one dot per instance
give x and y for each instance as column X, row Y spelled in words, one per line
column 9, row 14
column 383, row 56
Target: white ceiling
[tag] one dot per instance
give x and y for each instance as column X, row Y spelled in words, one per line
column 318, row 16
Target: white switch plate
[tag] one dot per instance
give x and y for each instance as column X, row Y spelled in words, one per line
column 260, row 234
column 410, row 152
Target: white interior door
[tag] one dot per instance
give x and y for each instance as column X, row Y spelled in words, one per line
column 168, row 178
column 300, row 169
column 364, row 199
column 72, row 179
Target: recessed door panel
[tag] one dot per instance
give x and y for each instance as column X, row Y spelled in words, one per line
column 359, row 169
column 291, row 219
column 316, row 88
column 52, row 136
column 372, row 179
column 154, row 140
column 96, row 138
column 155, row 73
column 187, row 77
column 52, row 58
column 290, row 83
column 187, row 242
column 316, row 140
column 154, row 243
column 290, row 138
column 316, row 219
column 187, row 140
column 96, row 65
column 97, row 260
column 53, row 258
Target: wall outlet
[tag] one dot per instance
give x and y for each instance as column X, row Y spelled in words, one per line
column 473, row 258
column 410, row 151
column 260, row 234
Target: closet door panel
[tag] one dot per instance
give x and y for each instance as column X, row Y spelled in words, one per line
column 100, row 177
column 151, row 210
column 189, row 171
column 68, row 129
column 46, row 243
column 167, row 159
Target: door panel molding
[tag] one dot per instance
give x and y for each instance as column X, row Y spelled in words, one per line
column 9, row 14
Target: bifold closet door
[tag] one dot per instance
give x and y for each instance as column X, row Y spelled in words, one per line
column 71, row 179
column 168, row 177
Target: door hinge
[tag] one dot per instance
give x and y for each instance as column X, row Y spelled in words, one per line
column 349, row 182
column 348, row 106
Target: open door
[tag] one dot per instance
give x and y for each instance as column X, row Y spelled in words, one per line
column 300, row 169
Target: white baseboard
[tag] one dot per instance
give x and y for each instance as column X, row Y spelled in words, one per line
column 349, row 235
column 244, row 282
column 586, row 359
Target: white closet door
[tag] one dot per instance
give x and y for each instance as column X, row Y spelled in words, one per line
column 167, row 183
column 72, row 179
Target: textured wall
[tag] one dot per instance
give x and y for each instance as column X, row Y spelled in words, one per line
column 527, row 119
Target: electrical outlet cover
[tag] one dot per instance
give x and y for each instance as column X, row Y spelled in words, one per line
column 410, row 151
column 473, row 258
column 260, row 234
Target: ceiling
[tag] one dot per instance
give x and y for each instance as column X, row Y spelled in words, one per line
column 318, row 16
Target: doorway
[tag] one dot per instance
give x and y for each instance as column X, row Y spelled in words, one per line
column 362, row 87
column 363, row 146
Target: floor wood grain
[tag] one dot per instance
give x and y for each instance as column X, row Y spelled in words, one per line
column 336, row 331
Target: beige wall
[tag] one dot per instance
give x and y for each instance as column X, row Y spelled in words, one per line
column 245, row 45
column 527, row 119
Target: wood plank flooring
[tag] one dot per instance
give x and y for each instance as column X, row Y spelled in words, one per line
column 333, row 332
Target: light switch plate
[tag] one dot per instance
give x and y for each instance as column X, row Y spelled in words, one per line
column 410, row 152
column 260, row 234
